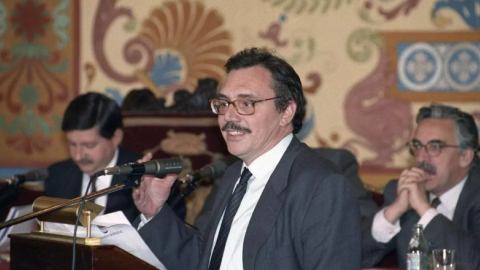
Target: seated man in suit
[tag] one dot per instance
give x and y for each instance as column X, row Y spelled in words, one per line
column 345, row 161
column 441, row 192
column 282, row 206
column 93, row 127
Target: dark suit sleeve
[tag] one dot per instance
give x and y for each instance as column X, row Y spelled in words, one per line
column 372, row 251
column 175, row 244
column 331, row 229
column 443, row 233
column 349, row 167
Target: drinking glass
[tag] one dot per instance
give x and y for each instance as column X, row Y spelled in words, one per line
column 443, row 259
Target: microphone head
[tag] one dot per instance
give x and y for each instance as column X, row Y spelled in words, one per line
column 36, row 175
column 218, row 167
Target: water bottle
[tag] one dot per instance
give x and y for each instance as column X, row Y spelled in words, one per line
column 417, row 254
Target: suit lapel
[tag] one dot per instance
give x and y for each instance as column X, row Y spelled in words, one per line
column 269, row 205
column 116, row 198
column 469, row 191
column 75, row 189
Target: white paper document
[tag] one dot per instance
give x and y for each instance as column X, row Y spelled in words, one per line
column 24, row 227
column 112, row 229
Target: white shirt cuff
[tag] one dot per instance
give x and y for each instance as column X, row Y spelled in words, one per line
column 427, row 217
column 143, row 221
column 382, row 230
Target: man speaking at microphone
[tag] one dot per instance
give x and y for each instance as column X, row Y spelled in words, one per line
column 282, row 206
column 93, row 127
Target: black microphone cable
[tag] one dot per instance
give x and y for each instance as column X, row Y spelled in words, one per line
column 80, row 209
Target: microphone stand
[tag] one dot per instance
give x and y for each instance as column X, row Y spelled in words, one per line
column 192, row 184
column 132, row 181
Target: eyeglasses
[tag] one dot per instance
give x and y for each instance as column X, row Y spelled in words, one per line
column 244, row 106
column 433, row 148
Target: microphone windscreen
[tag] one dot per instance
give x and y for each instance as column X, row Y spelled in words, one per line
column 36, row 175
column 221, row 165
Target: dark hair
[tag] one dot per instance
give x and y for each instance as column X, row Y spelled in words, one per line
column 466, row 129
column 93, row 109
column 285, row 81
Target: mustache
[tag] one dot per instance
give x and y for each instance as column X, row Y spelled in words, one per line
column 84, row 161
column 232, row 125
column 426, row 167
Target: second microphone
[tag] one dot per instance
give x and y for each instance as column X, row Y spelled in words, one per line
column 158, row 167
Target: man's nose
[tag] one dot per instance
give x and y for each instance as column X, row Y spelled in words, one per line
column 422, row 154
column 78, row 153
column 231, row 113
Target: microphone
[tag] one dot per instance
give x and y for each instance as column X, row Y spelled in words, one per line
column 158, row 167
column 32, row 176
column 212, row 170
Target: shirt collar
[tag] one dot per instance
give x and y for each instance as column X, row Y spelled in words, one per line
column 267, row 162
column 450, row 198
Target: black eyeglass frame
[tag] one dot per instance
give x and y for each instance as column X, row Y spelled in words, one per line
column 414, row 151
column 232, row 102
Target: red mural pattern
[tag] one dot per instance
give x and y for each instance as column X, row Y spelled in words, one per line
column 38, row 77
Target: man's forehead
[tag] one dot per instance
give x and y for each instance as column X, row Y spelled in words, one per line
column 83, row 136
column 435, row 129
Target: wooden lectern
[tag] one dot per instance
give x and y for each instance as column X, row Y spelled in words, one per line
column 28, row 252
column 44, row 250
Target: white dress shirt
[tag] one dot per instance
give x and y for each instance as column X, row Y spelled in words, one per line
column 261, row 169
column 383, row 231
column 102, row 182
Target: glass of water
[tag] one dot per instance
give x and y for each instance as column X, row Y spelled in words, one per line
column 443, row 259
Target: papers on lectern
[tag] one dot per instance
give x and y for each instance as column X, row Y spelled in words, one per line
column 24, row 227
column 112, row 229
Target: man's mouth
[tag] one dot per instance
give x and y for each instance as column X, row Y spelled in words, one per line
column 235, row 132
column 234, row 129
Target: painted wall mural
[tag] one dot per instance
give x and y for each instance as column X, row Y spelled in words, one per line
column 38, row 77
column 435, row 66
column 382, row 124
column 367, row 66
column 180, row 42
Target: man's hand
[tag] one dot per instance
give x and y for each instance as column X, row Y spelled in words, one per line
column 401, row 204
column 414, row 184
column 153, row 192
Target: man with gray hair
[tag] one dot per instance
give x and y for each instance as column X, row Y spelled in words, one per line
column 440, row 192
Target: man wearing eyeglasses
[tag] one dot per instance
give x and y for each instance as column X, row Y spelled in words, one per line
column 442, row 192
column 282, row 206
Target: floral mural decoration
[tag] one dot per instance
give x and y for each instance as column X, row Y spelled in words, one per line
column 382, row 124
column 179, row 42
column 31, row 80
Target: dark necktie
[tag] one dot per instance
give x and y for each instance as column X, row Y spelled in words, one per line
column 230, row 211
column 435, row 202
column 93, row 186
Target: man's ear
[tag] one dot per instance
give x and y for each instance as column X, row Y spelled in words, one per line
column 466, row 157
column 117, row 137
column 288, row 114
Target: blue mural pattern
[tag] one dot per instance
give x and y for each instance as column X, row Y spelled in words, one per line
column 438, row 67
column 465, row 8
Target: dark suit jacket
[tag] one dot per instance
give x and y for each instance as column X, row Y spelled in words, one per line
column 305, row 219
column 65, row 181
column 461, row 234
